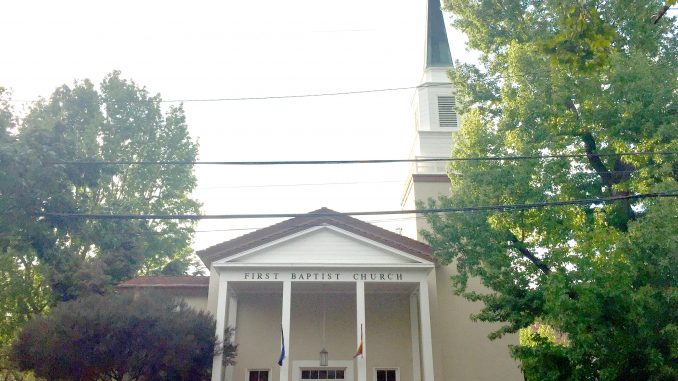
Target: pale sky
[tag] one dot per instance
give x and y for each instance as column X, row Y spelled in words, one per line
column 228, row 49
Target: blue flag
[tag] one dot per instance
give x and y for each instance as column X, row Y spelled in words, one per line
column 282, row 347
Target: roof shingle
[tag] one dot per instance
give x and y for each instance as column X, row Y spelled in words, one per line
column 166, row 281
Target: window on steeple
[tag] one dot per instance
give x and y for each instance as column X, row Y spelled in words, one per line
column 447, row 116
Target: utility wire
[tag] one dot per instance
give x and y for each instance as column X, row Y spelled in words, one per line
column 289, row 96
column 501, row 207
column 221, row 187
column 379, row 221
column 366, row 161
column 313, row 95
column 299, row 185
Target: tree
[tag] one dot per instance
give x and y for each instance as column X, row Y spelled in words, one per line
column 120, row 121
column 590, row 80
column 44, row 259
column 121, row 336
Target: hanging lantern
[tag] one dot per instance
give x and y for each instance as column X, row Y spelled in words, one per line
column 323, row 357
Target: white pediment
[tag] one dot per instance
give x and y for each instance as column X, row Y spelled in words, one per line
column 324, row 245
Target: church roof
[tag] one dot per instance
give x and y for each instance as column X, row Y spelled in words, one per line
column 323, row 216
column 166, row 282
column 437, row 47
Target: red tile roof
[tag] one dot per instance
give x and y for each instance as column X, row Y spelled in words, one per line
column 166, row 282
column 318, row 217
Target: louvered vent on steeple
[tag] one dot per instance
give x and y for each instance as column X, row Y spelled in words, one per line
column 446, row 113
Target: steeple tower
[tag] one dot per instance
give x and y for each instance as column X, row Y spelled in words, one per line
column 435, row 120
column 437, row 48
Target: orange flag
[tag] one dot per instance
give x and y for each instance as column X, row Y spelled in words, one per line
column 359, row 352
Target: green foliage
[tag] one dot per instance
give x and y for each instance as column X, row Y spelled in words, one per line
column 594, row 78
column 135, row 337
column 121, row 121
column 543, row 354
column 23, row 292
column 46, row 259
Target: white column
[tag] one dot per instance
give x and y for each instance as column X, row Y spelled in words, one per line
column 231, row 322
column 414, row 331
column 426, row 339
column 285, row 321
column 217, row 368
column 361, row 362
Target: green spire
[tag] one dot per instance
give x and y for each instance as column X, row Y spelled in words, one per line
column 437, row 48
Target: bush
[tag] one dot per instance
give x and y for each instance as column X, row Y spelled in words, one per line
column 145, row 336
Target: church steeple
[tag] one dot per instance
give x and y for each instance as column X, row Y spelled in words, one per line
column 437, row 47
column 435, row 120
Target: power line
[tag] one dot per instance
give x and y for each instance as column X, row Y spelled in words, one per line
column 219, row 187
column 359, row 161
column 295, row 185
column 289, row 96
column 400, row 219
column 312, row 95
column 501, row 207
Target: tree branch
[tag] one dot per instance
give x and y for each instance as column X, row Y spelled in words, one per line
column 525, row 252
column 594, row 159
column 660, row 13
column 622, row 170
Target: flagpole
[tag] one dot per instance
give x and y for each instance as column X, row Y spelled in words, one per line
column 285, row 332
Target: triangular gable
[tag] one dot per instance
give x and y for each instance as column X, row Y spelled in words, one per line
column 320, row 227
column 324, row 245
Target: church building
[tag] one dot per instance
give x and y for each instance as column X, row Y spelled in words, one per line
column 326, row 296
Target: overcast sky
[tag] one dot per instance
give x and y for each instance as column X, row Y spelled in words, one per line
column 228, row 49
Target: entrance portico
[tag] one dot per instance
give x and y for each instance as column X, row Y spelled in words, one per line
column 324, row 281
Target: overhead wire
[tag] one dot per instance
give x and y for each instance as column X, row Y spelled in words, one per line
column 311, row 95
column 295, row 185
column 217, row 187
column 499, row 207
column 386, row 220
column 287, row 96
column 358, row 161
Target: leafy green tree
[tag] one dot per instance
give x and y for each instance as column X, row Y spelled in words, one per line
column 543, row 353
column 46, row 259
column 590, row 80
column 120, row 121
column 121, row 336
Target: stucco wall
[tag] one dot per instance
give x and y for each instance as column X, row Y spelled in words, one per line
column 258, row 334
column 467, row 352
column 306, row 326
column 462, row 350
column 388, row 339
column 196, row 298
column 197, row 302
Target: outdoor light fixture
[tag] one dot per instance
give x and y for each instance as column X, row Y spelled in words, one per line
column 323, row 352
column 323, row 357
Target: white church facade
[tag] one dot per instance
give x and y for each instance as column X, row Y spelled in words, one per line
column 348, row 300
